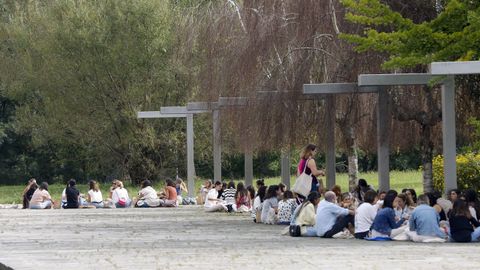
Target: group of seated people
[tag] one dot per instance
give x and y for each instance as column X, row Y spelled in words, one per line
column 362, row 214
column 37, row 196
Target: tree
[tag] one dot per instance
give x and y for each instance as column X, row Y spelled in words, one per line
column 449, row 35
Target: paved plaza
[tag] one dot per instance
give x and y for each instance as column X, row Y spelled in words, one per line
column 188, row 238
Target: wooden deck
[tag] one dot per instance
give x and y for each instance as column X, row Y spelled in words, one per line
column 188, row 238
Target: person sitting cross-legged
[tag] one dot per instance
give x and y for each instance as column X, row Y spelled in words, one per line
column 384, row 225
column 305, row 215
column 212, row 203
column 147, row 196
column 41, row 199
column 424, row 223
column 462, row 223
column 332, row 219
column 365, row 214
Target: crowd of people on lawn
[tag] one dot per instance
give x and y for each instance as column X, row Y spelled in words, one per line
column 362, row 214
column 37, row 196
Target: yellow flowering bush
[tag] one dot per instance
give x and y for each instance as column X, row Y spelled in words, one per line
column 468, row 171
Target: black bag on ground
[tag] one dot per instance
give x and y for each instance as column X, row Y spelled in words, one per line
column 295, row 230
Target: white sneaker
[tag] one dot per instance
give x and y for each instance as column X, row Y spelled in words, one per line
column 345, row 234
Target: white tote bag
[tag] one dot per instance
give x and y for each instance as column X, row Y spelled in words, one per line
column 303, row 184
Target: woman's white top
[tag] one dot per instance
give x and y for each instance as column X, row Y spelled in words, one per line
column 95, row 196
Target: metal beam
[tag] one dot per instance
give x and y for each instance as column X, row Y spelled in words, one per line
column 336, row 88
column 449, row 138
column 232, row 101
column 285, row 168
column 383, row 140
column 158, row 114
column 395, row 79
column 330, row 112
column 217, row 147
column 190, row 158
column 248, row 168
column 174, row 110
column 455, row 68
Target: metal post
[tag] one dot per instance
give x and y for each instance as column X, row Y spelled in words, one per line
column 330, row 140
column 217, row 147
column 285, row 166
column 248, row 168
column 190, row 160
column 449, row 137
column 383, row 140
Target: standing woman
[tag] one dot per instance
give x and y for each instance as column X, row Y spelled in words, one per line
column 306, row 159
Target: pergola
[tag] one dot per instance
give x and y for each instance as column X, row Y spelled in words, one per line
column 441, row 73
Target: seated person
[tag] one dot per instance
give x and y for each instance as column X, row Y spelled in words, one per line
column 384, row 224
column 41, row 199
column 286, row 207
column 242, row 199
column 462, row 223
column 403, row 206
column 72, row 194
column 120, row 198
column 228, row 196
column 212, row 203
column 347, row 201
column 365, row 214
column 305, row 215
column 424, row 222
column 94, row 195
column 28, row 192
column 270, row 205
column 168, row 198
column 207, row 185
column 147, row 196
column 181, row 188
column 258, row 204
column 332, row 219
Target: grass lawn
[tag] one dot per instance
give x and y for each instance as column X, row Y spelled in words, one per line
column 398, row 181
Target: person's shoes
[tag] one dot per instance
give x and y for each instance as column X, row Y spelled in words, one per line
column 345, row 234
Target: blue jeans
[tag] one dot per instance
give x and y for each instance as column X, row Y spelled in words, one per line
column 97, row 204
column 42, row 205
column 476, row 235
column 311, row 231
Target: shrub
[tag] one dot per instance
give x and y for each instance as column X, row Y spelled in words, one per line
column 468, row 172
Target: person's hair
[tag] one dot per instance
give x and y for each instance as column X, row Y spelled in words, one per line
column 44, row 186
column 231, row 184
column 260, row 182
column 272, row 191
column 405, row 199
column 404, row 190
column 370, row 196
column 170, row 183
column 224, row 185
column 119, row 183
column 337, row 189
column 287, row 195
column 282, row 187
column 262, row 191
column 32, row 183
column 241, row 190
column 389, row 198
column 179, row 181
column 147, row 183
column 330, row 196
column 362, row 183
column 313, row 196
column 423, row 199
column 92, row 184
column 251, row 190
column 346, row 195
column 382, row 192
column 307, row 151
column 460, row 208
column 432, row 198
column 414, row 194
column 470, row 196
column 453, row 190
column 208, row 183
column 72, row 182
column 218, row 183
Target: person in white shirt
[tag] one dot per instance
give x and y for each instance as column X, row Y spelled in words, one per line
column 365, row 214
column 212, row 203
column 147, row 196
column 120, row 198
column 41, row 199
column 94, row 195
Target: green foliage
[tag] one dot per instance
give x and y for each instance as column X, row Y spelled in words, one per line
column 452, row 35
column 468, row 172
column 475, row 124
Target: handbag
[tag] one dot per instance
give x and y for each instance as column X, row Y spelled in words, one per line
column 295, row 230
column 303, row 183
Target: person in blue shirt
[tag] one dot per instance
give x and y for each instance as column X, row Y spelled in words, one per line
column 424, row 221
column 332, row 219
column 384, row 224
